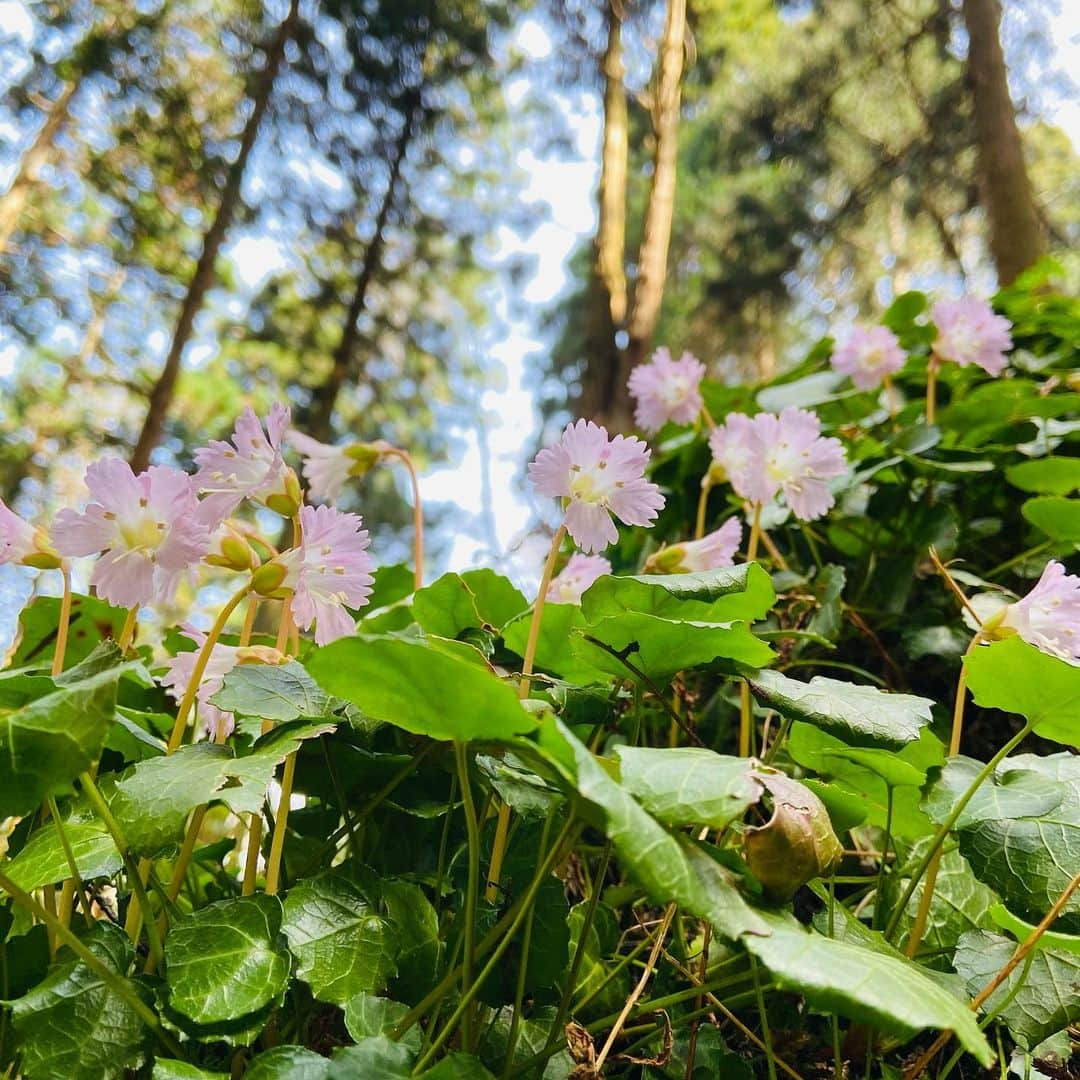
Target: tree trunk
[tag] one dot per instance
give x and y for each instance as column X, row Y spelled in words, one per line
column 607, row 286
column 653, row 253
column 1016, row 237
column 316, row 418
column 14, row 200
column 205, row 272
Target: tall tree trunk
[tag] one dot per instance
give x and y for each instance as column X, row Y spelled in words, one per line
column 14, row 200
column 205, row 271
column 1016, row 237
column 316, row 418
column 656, row 235
column 607, row 285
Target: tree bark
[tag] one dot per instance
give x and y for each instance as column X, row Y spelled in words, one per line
column 316, row 418
column 607, row 285
column 656, row 235
column 1016, row 237
column 15, row 198
column 205, row 270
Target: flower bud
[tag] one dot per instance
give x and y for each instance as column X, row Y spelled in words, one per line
column 289, row 500
column 260, row 654
column 365, row 456
column 268, row 579
column 796, row 845
column 232, row 551
column 666, row 561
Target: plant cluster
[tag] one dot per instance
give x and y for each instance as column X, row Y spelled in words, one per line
column 440, row 830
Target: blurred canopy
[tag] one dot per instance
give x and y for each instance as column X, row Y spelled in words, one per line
column 766, row 168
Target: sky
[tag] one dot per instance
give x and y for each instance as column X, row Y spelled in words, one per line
column 566, row 187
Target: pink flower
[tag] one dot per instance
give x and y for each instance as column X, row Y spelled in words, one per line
column 327, row 468
column 600, row 477
column 710, row 552
column 788, row 455
column 251, row 466
column 575, row 577
column 218, row 723
column 970, row 333
column 868, row 355
column 666, row 389
column 730, row 445
column 330, row 570
column 146, row 526
column 23, row 543
column 1049, row 616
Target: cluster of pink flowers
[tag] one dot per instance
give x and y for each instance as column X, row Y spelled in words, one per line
column 967, row 332
column 149, row 531
column 768, row 455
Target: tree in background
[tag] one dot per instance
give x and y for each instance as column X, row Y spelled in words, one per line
column 826, row 156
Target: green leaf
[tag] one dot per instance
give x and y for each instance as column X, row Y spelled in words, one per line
column 46, row 744
column 419, row 947
column 407, row 683
column 554, row 652
column 864, row 985
column 392, row 584
column 458, row 1067
column 1058, row 517
column 1021, row 831
column 72, row 1026
column 666, row 867
column 272, row 692
column 688, row 786
column 901, row 314
column 375, row 1056
column 660, row 647
column 342, row 946
column 810, row 390
column 859, row 715
column 960, row 903
column 1017, row 677
column 731, row 593
column 1021, row 930
column 1046, row 994
column 153, row 800
column 43, row 862
column 1046, row 476
column 92, row 621
column 476, row 598
column 518, row 787
column 288, row 1063
column 181, row 1070
column 227, row 960
column 863, row 781
column 367, row 1015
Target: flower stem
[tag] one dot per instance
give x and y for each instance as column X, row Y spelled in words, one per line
column 116, row 982
column 472, row 887
column 418, row 516
column 502, row 826
column 188, row 700
column 702, row 505
column 134, row 873
column 64, row 623
column 127, row 632
column 931, row 389
column 746, row 712
column 1019, row 954
column 946, row 827
column 469, row 992
column 277, row 841
column 75, row 883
